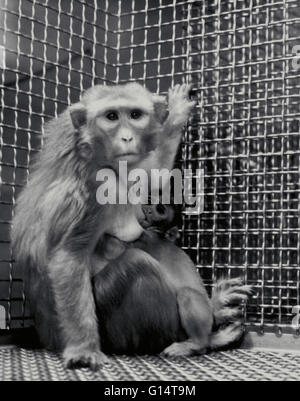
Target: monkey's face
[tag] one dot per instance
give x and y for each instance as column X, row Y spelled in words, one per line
column 120, row 123
column 158, row 214
column 124, row 130
column 160, row 218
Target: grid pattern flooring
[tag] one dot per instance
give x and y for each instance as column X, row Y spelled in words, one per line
column 235, row 365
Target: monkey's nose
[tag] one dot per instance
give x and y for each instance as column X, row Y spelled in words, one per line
column 127, row 138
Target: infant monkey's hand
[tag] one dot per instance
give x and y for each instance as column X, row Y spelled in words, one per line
column 179, row 103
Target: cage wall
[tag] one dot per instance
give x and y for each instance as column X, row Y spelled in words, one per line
column 244, row 134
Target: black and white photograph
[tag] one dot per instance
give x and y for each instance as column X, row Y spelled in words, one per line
column 149, row 193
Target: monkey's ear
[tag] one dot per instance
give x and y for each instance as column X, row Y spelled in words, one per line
column 78, row 115
column 160, row 108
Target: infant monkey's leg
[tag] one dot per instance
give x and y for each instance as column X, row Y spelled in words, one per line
column 196, row 319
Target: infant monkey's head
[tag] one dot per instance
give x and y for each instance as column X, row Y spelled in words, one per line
column 161, row 218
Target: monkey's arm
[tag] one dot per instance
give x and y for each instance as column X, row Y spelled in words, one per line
column 180, row 108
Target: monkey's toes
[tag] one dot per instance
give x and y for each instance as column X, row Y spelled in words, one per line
column 185, row 348
column 233, row 332
column 85, row 359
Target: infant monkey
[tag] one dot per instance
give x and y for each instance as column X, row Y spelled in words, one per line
column 155, row 301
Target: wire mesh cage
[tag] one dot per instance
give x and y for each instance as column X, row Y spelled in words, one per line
column 244, row 134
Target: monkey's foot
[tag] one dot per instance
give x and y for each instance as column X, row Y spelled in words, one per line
column 227, row 298
column 79, row 358
column 184, row 348
column 179, row 103
column 226, row 336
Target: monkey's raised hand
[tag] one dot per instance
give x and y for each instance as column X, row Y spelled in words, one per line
column 180, row 106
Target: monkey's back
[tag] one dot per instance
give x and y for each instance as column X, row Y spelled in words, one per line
column 176, row 266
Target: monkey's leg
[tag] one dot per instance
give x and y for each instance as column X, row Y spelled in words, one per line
column 196, row 318
column 137, row 309
column 40, row 297
column 71, row 284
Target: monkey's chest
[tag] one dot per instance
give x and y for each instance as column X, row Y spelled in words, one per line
column 124, row 223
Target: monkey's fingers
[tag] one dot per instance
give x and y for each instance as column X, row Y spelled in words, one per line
column 178, row 93
column 227, row 315
column 229, row 286
column 180, row 108
column 232, row 298
column 185, row 90
column 224, row 283
column 243, row 289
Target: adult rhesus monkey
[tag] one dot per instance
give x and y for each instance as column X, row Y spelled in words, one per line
column 58, row 222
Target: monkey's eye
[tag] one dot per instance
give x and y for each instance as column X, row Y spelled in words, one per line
column 112, row 116
column 136, row 114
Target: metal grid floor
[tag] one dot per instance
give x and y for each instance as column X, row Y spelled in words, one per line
column 236, row 365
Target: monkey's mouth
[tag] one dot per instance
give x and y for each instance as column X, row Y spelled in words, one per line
column 130, row 156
